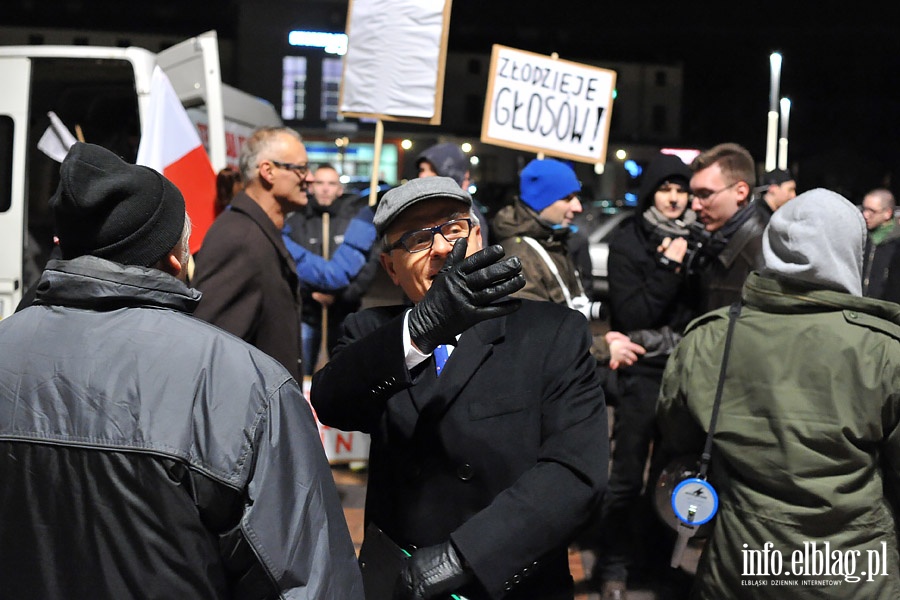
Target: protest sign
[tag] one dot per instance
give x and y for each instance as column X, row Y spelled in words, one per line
column 546, row 105
column 394, row 66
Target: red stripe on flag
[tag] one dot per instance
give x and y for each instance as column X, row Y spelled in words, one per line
column 194, row 176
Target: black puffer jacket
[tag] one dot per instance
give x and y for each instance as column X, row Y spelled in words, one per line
column 147, row 454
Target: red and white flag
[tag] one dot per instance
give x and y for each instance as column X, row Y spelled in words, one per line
column 171, row 145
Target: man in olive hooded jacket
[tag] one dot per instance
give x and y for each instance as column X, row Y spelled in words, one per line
column 806, row 453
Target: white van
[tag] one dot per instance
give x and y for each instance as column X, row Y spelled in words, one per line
column 102, row 95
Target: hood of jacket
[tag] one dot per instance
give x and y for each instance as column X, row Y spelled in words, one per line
column 818, row 237
column 518, row 219
column 663, row 167
column 780, row 294
column 97, row 284
column 448, row 160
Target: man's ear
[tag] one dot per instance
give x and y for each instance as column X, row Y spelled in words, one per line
column 265, row 172
column 476, row 242
column 387, row 263
column 743, row 190
column 171, row 264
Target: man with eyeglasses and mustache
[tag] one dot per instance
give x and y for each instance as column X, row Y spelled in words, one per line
column 721, row 185
column 246, row 274
column 483, row 467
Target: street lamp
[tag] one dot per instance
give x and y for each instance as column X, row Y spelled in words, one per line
column 783, row 141
column 772, row 133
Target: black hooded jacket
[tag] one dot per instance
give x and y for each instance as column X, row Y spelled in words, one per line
column 643, row 293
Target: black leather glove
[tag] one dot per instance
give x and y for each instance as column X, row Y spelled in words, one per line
column 463, row 294
column 431, row 572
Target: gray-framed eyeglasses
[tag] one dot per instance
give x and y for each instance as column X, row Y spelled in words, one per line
column 420, row 240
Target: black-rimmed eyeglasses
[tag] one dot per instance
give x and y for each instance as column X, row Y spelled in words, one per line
column 420, row 240
column 300, row 170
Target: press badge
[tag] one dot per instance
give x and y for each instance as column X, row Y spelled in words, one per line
column 695, row 501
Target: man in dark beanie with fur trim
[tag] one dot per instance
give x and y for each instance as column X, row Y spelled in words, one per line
column 143, row 452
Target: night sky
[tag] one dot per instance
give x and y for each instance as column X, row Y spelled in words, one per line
column 841, row 61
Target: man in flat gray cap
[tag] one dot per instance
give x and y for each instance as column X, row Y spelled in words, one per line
column 483, row 468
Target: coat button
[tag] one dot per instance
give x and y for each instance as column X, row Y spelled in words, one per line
column 465, row 471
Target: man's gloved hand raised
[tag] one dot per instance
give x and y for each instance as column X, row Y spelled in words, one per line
column 463, row 294
column 434, row 571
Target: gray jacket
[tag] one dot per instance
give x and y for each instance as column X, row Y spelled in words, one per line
column 145, row 453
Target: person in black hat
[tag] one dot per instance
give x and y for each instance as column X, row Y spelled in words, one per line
column 776, row 189
column 651, row 300
column 144, row 452
column 489, row 444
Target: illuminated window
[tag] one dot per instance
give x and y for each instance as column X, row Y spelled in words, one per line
column 331, row 88
column 293, row 88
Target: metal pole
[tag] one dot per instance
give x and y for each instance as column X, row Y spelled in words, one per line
column 772, row 132
column 783, row 140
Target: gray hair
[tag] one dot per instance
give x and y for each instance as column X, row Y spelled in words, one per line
column 260, row 141
column 185, row 241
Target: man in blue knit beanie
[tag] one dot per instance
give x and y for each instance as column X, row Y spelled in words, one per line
column 536, row 228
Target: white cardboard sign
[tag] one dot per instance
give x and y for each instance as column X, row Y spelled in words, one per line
column 547, row 105
column 394, row 66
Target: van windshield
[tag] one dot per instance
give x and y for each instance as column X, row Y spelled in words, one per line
column 96, row 100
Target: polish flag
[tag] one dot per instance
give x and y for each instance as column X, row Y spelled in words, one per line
column 171, row 145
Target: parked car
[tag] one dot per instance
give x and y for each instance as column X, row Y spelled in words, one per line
column 599, row 226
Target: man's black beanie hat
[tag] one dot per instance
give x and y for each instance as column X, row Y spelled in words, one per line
column 109, row 208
